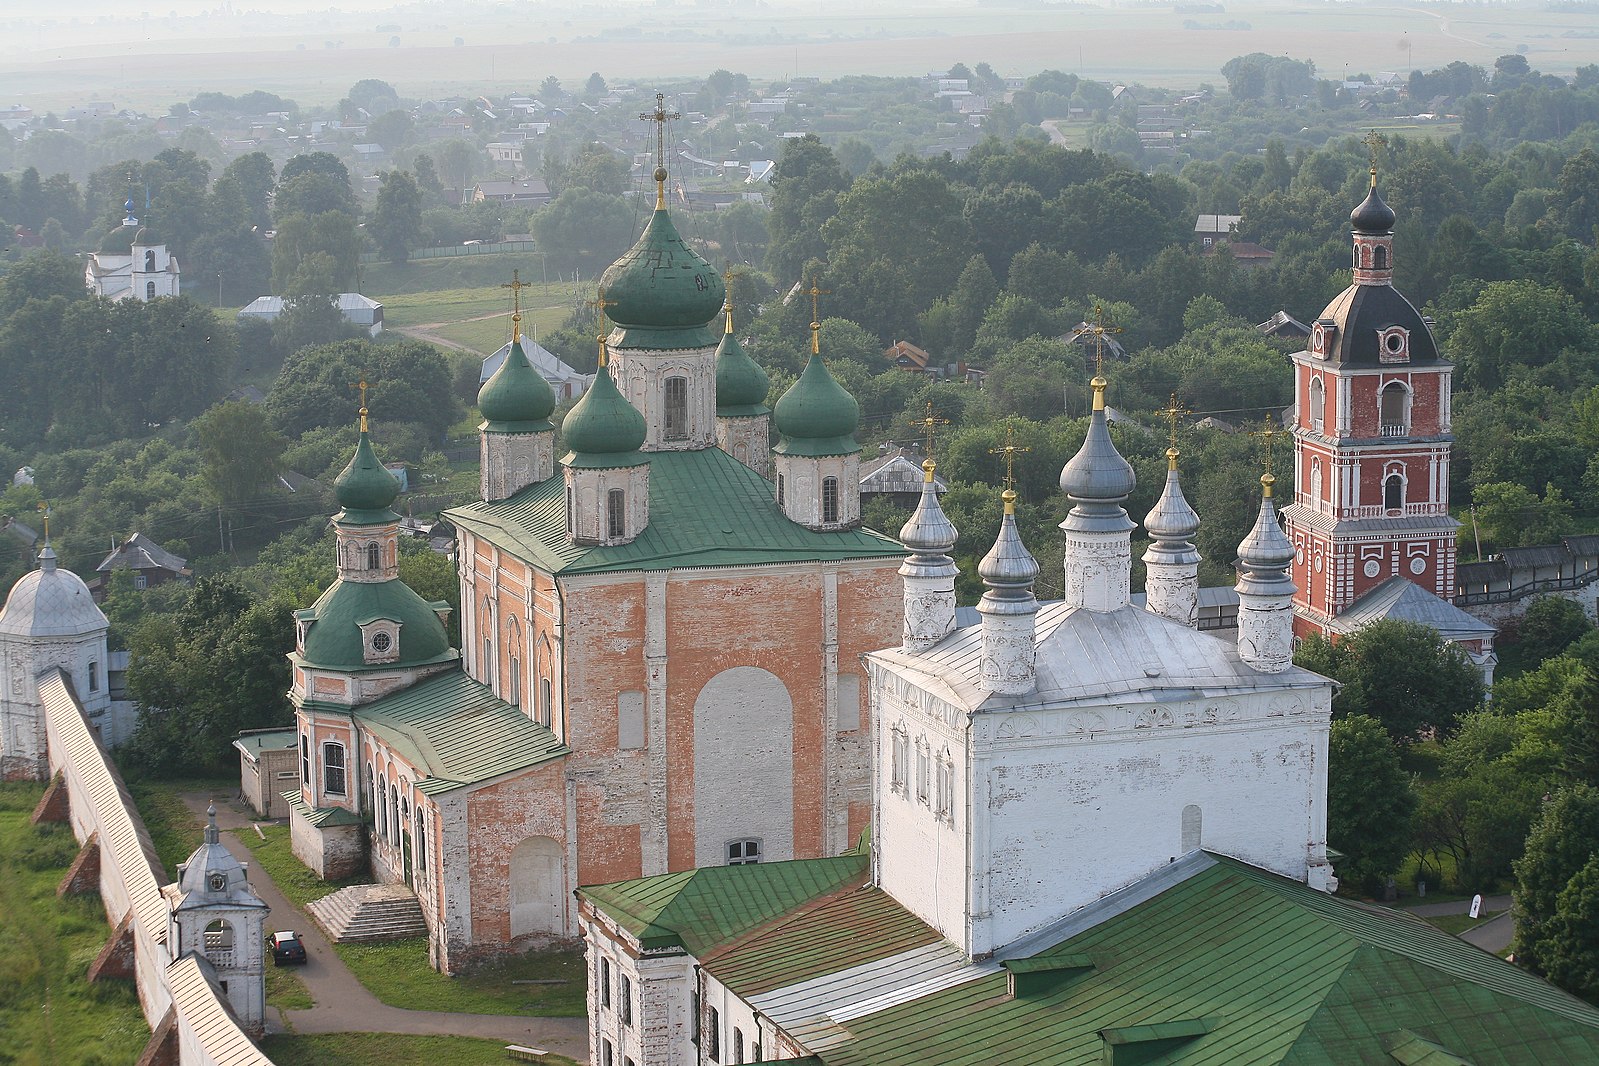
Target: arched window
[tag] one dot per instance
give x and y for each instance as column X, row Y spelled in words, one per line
column 780, row 490
column 149, row 290
column 149, row 262
column 1357, row 257
column 1395, row 417
column 383, row 805
column 1193, row 825
column 420, row 847
column 1393, row 492
column 513, row 649
column 830, row 499
column 305, row 758
column 677, row 408
column 571, row 514
column 219, row 943
column 544, row 702
column 616, row 511
column 1318, row 404
column 1379, row 258
column 372, row 556
column 333, row 769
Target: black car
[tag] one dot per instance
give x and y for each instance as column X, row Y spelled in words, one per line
column 287, row 948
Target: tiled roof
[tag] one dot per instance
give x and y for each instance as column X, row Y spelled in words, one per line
column 1235, row 966
column 458, row 732
column 706, row 509
column 700, row 909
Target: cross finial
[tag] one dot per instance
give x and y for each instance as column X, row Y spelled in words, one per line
column 727, row 301
column 1010, row 450
column 44, row 512
column 929, row 424
column 1099, row 331
column 660, row 116
column 1268, row 434
column 1174, row 411
column 363, row 386
column 1375, row 142
column 601, row 303
column 516, row 285
column 816, row 316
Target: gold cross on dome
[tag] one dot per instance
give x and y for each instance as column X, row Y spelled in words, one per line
column 1268, row 434
column 516, row 285
column 364, row 387
column 1099, row 331
column 816, row 317
column 601, row 303
column 1375, row 142
column 660, row 116
column 1009, row 451
column 1172, row 413
column 929, row 425
column 44, row 512
column 727, row 300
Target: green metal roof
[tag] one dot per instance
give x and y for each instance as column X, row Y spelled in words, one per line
column 699, row 909
column 741, row 383
column 706, row 509
column 857, row 924
column 458, row 732
column 817, row 415
column 662, row 293
column 1227, row 967
column 603, row 422
column 320, row 817
column 516, row 398
column 260, row 740
column 365, row 489
column 334, row 640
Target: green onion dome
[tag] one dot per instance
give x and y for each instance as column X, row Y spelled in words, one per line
column 364, row 489
column 603, row 429
column 741, row 384
column 662, row 293
column 516, row 398
column 816, row 416
column 334, row 640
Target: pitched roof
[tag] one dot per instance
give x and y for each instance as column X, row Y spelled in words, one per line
column 458, row 732
column 701, row 909
column 544, row 361
column 1231, row 965
column 1401, row 599
column 706, row 509
column 139, row 552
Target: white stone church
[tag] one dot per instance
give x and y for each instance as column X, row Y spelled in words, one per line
column 132, row 264
column 1098, row 835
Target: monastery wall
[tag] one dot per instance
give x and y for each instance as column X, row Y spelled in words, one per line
column 179, row 1002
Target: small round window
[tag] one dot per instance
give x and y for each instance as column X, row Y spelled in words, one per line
column 1395, row 342
column 382, row 642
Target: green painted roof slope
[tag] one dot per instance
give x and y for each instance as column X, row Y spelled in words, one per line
column 1285, row 974
column 698, row 909
column 662, row 293
column 458, row 732
column 706, row 509
column 516, row 398
column 857, row 924
column 334, row 640
column 320, row 817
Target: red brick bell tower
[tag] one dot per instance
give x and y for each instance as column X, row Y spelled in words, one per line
column 1371, row 442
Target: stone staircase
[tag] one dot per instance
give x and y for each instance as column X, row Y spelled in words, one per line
column 369, row 912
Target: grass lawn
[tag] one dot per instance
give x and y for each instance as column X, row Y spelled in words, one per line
column 397, row 972
column 381, row 1049
column 174, row 831
column 48, row 1013
column 285, row 990
column 1455, row 924
column 478, row 317
column 292, row 877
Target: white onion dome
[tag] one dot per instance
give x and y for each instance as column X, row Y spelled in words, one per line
column 1266, row 552
column 1098, row 473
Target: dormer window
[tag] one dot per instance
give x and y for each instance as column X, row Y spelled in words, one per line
column 1321, row 338
column 1393, row 345
column 380, row 641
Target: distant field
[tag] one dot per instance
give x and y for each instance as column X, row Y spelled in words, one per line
column 478, row 318
column 149, row 63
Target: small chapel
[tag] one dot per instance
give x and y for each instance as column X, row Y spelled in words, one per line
column 132, row 263
column 663, row 624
